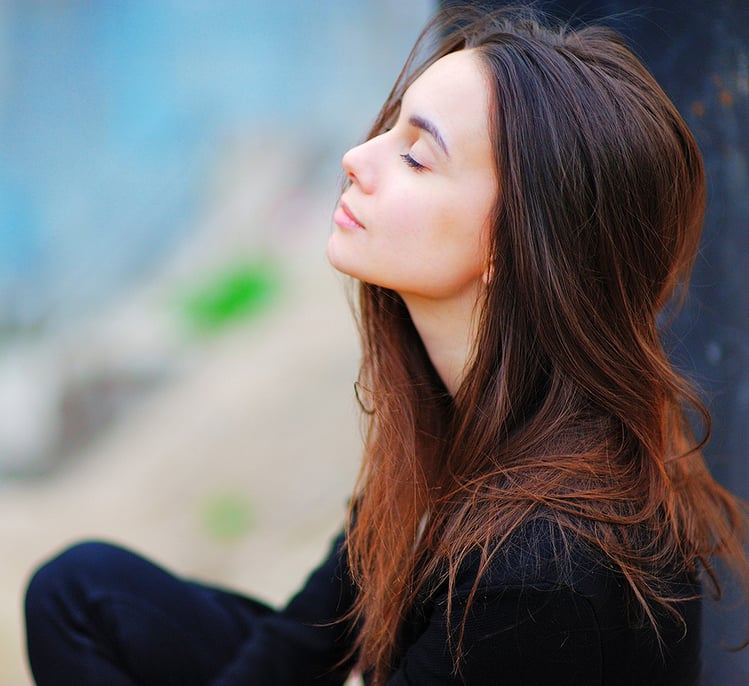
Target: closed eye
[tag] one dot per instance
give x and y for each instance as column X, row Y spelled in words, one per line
column 411, row 162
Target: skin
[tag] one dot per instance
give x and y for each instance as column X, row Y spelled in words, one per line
column 416, row 216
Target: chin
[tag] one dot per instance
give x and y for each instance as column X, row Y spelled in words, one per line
column 337, row 257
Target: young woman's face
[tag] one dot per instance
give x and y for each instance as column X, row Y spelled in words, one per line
column 415, row 218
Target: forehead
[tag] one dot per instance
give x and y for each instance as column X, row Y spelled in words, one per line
column 454, row 94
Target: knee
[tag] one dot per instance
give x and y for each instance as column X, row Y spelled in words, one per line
column 68, row 575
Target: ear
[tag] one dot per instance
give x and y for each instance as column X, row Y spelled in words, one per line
column 486, row 277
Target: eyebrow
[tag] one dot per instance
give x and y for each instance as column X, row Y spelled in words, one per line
column 430, row 128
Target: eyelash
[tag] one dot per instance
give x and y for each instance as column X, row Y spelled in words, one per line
column 411, row 162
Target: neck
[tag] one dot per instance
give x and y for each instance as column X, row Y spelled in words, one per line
column 448, row 331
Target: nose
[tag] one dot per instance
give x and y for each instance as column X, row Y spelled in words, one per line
column 359, row 166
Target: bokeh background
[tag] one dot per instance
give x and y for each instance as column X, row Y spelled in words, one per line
column 176, row 357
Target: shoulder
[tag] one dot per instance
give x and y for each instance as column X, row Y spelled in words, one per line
column 512, row 610
column 544, row 558
column 540, row 554
column 564, row 604
column 543, row 606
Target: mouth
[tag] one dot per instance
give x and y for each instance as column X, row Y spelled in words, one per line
column 345, row 218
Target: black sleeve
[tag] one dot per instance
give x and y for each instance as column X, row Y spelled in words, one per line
column 303, row 643
column 528, row 636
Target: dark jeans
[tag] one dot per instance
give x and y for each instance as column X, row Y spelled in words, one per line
column 98, row 614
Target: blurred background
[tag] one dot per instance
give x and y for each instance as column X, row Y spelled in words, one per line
column 176, row 357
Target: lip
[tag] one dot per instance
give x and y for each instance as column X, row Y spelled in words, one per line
column 345, row 218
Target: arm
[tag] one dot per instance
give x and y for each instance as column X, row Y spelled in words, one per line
column 303, row 643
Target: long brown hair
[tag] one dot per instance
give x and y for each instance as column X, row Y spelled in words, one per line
column 570, row 410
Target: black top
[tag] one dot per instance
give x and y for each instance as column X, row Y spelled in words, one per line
column 540, row 617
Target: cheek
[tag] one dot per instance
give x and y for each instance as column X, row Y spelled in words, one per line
column 477, row 205
column 462, row 221
column 420, row 214
column 462, row 239
column 406, row 206
column 430, row 238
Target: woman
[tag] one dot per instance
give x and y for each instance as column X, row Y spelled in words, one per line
column 532, row 507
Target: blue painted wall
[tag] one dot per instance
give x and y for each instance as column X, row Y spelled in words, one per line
column 111, row 115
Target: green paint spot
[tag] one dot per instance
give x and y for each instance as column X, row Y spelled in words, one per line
column 239, row 292
column 227, row 516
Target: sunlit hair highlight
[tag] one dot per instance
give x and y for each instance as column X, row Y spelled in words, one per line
column 570, row 412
